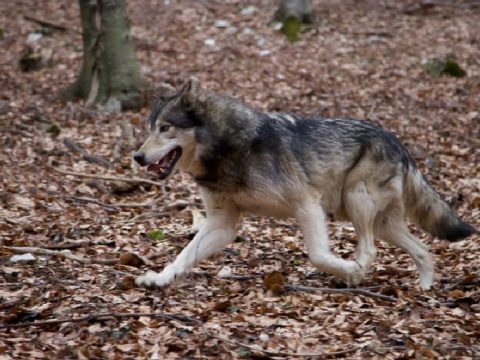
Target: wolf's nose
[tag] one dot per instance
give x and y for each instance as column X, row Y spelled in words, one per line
column 139, row 157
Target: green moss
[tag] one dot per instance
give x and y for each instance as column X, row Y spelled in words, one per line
column 453, row 69
column 156, row 235
column 448, row 66
column 291, row 27
column 243, row 352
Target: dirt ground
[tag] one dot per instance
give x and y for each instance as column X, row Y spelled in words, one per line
column 361, row 60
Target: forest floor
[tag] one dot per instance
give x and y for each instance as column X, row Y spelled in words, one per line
column 361, row 60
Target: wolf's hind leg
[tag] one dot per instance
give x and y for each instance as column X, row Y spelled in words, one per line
column 216, row 233
column 311, row 219
column 361, row 211
column 391, row 228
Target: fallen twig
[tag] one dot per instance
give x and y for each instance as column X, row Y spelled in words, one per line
column 102, row 317
column 147, row 215
column 422, row 7
column 46, row 23
column 67, row 246
column 342, row 291
column 95, row 201
column 463, row 282
column 76, row 148
column 64, row 253
column 72, row 146
column 285, row 353
column 361, row 291
column 106, row 177
column 113, row 205
column 240, row 277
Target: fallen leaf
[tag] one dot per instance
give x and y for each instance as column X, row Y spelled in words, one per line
column 222, row 306
column 131, row 259
column 274, row 282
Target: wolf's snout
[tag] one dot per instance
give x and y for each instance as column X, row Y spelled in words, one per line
column 139, row 157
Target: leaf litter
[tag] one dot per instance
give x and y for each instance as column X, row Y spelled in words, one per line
column 361, row 60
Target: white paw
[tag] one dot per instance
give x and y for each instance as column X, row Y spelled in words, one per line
column 355, row 276
column 426, row 280
column 152, row 278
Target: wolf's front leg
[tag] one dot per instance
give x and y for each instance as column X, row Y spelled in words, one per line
column 216, row 233
column 311, row 219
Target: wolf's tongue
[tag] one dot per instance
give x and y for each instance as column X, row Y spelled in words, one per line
column 159, row 167
column 154, row 168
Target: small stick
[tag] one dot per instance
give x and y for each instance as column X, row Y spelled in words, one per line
column 152, row 214
column 342, row 291
column 240, row 277
column 76, row 148
column 114, row 205
column 288, row 354
column 66, row 246
column 105, row 316
column 46, row 23
column 106, row 177
column 463, row 282
column 72, row 146
column 95, row 201
column 65, row 253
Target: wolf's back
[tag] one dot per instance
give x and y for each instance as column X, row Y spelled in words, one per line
column 426, row 208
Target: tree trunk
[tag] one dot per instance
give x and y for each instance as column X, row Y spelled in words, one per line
column 110, row 73
column 297, row 9
column 81, row 87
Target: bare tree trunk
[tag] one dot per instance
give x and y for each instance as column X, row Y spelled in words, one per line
column 297, row 9
column 110, row 72
column 81, row 87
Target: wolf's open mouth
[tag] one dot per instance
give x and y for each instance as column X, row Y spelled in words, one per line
column 165, row 166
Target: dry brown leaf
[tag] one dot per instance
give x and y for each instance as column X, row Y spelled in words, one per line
column 274, row 282
column 457, row 294
column 127, row 283
column 222, row 306
column 131, row 259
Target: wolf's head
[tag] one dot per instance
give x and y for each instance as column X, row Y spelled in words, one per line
column 171, row 144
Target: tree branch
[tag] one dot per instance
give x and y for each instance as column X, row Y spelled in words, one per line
column 76, row 148
column 113, row 205
column 342, row 291
column 47, row 23
column 67, row 246
column 147, row 215
column 106, row 177
column 287, row 354
column 64, row 253
column 106, row 316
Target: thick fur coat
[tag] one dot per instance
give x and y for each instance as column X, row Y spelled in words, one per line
column 283, row 165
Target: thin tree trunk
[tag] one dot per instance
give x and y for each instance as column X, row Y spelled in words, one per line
column 81, row 87
column 110, row 73
column 123, row 70
column 298, row 9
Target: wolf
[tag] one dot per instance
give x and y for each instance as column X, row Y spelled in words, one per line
column 283, row 165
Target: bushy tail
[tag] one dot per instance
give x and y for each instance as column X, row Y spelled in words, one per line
column 426, row 208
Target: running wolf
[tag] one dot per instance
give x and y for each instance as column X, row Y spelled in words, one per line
column 282, row 165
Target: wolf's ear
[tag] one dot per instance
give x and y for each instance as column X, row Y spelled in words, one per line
column 165, row 90
column 193, row 94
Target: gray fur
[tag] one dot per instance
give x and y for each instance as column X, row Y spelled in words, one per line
column 279, row 164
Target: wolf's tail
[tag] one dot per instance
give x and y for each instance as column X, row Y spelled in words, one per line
column 427, row 209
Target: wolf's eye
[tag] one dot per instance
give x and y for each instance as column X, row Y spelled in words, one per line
column 164, row 128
